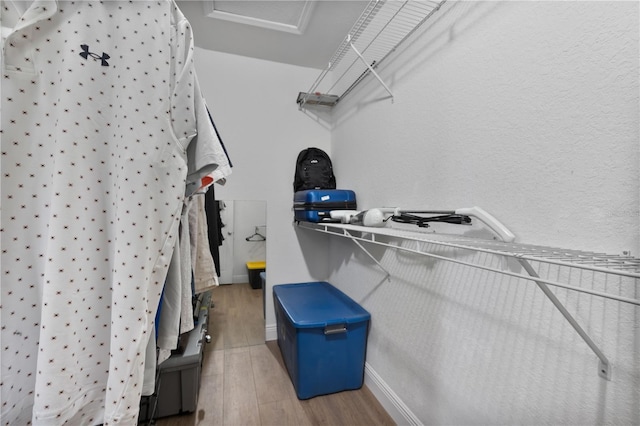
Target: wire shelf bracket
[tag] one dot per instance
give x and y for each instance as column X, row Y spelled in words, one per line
column 369, row 67
column 524, row 253
column 381, row 28
column 364, row 249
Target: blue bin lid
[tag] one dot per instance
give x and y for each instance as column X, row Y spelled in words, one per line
column 318, row 304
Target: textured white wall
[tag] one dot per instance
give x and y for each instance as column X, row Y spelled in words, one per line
column 530, row 111
column 253, row 105
column 527, row 109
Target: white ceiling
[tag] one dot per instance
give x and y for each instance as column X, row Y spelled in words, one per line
column 328, row 24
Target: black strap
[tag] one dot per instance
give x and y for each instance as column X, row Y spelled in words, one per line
column 423, row 222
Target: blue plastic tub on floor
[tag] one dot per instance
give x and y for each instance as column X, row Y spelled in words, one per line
column 322, row 334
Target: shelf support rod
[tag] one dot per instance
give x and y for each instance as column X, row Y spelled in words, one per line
column 352, row 238
column 375, row 74
column 604, row 368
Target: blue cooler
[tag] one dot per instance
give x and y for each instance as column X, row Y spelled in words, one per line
column 322, row 334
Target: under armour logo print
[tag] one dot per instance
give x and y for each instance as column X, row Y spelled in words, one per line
column 85, row 54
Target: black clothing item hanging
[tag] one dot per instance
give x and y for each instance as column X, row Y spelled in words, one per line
column 215, row 225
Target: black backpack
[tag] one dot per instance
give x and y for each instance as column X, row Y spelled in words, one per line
column 313, row 171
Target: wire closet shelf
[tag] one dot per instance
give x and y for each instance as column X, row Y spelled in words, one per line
column 618, row 265
column 448, row 247
column 381, row 28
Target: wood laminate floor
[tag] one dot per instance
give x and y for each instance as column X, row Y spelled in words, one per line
column 245, row 383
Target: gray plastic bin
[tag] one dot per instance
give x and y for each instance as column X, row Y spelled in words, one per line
column 178, row 382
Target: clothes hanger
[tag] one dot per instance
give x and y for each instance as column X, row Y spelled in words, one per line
column 257, row 236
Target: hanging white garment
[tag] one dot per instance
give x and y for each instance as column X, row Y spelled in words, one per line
column 100, row 112
column 176, row 308
column 186, row 295
column 204, row 268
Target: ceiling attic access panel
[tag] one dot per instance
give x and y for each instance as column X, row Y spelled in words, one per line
column 381, row 28
column 287, row 16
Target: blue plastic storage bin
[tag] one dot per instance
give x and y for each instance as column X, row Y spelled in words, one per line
column 322, row 334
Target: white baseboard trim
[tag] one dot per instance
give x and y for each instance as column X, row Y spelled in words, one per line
column 397, row 409
column 270, row 332
column 390, row 401
column 240, row 278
